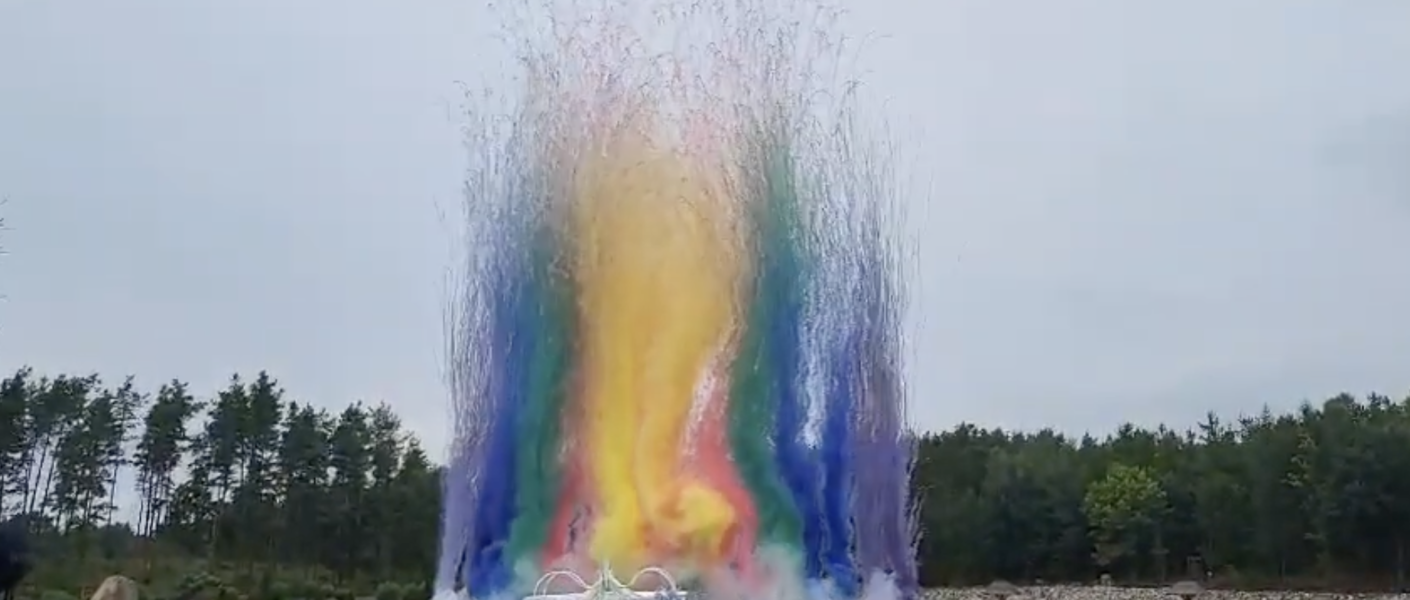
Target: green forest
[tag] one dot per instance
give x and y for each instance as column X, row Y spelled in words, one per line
column 264, row 495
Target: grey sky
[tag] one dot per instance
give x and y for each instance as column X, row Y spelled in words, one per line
column 1138, row 210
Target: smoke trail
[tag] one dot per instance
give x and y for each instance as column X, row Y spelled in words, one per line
column 457, row 491
column 756, row 404
column 473, row 364
column 782, row 276
column 838, row 307
column 884, row 519
column 610, row 288
column 514, row 302
column 512, row 328
column 458, row 484
column 709, row 458
column 694, row 279
column 570, row 502
column 537, row 476
column 658, row 279
column 901, row 515
column 840, row 387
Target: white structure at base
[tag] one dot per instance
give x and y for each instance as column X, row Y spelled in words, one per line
column 607, row 586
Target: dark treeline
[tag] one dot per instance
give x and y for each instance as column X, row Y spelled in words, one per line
column 244, row 475
column 249, row 476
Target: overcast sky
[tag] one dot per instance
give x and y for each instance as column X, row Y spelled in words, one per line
column 1135, row 211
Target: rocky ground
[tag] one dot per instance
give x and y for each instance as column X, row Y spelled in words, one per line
column 1116, row 593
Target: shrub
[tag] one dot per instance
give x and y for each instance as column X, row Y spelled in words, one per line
column 390, row 591
column 56, row 595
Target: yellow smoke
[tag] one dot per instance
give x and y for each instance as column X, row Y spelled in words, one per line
column 658, row 271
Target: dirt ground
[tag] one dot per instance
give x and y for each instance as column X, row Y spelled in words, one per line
column 1116, row 593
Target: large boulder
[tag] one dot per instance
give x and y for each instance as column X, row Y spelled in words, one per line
column 116, row 587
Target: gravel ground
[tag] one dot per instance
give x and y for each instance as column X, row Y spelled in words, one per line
column 1116, row 593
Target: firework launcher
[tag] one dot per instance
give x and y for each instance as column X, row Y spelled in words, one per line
column 607, row 586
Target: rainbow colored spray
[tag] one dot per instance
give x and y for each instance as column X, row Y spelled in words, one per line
column 677, row 340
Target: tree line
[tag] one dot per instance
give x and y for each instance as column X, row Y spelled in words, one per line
column 246, row 475
column 243, row 475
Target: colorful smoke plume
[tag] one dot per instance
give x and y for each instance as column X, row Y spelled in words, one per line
column 676, row 340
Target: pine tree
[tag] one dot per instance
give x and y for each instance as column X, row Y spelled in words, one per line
column 55, row 406
column 257, row 448
column 77, row 466
column 385, row 437
column 218, row 460
column 350, row 459
column 159, row 453
column 126, row 404
column 14, row 441
column 303, row 463
column 416, row 494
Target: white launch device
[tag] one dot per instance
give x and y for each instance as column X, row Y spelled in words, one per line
column 607, row 586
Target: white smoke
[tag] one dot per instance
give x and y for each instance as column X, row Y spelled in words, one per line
column 881, row 586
